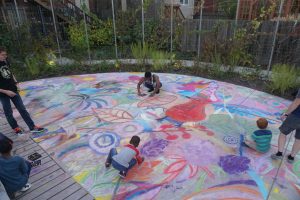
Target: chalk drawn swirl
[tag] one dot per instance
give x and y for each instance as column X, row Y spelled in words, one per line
column 103, row 142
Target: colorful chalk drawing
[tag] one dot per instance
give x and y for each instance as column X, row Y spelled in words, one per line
column 189, row 136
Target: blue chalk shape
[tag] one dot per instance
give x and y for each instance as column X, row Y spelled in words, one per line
column 260, row 183
column 241, row 144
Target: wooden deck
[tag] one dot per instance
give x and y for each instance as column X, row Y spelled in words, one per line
column 49, row 180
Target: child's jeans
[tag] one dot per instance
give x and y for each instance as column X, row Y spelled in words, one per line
column 115, row 164
column 151, row 86
column 5, row 100
column 3, row 194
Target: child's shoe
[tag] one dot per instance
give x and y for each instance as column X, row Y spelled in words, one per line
column 290, row 159
column 122, row 174
column 26, row 187
column 277, row 156
column 107, row 165
column 37, row 129
column 18, row 131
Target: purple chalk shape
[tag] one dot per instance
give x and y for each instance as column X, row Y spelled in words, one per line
column 233, row 164
column 154, row 147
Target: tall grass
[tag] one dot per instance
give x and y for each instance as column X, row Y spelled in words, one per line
column 284, row 77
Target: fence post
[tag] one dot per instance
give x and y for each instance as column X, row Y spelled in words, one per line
column 237, row 12
column 55, row 29
column 143, row 23
column 200, row 28
column 87, row 36
column 274, row 39
column 114, row 23
column 18, row 14
column 42, row 19
column 172, row 8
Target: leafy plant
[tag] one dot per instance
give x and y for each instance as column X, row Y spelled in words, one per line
column 228, row 7
column 101, row 33
column 77, row 36
column 159, row 59
column 284, row 77
column 141, row 52
column 33, row 63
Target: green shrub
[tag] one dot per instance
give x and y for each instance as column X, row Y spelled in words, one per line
column 159, row 59
column 77, row 36
column 101, row 33
column 284, row 77
column 141, row 53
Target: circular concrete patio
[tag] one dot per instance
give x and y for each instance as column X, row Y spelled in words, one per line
column 190, row 136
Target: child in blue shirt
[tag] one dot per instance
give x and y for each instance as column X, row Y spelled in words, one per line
column 14, row 170
column 260, row 140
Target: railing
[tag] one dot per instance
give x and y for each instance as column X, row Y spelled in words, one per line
column 66, row 9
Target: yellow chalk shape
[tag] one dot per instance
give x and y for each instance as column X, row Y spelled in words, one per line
column 104, row 197
column 88, row 78
column 81, row 176
column 22, row 93
column 276, row 190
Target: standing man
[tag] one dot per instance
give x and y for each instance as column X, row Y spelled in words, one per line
column 9, row 92
column 152, row 82
column 291, row 122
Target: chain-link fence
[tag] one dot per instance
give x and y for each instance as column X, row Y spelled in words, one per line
column 232, row 32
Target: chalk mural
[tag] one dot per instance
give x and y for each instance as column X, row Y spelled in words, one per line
column 190, row 136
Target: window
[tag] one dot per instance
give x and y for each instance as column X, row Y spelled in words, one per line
column 185, row 2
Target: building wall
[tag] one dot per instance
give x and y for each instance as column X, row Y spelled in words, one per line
column 186, row 9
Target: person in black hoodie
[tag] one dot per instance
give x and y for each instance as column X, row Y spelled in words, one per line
column 9, row 92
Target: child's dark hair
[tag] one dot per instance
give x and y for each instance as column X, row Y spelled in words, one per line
column 135, row 141
column 262, row 123
column 2, row 49
column 148, row 74
column 5, row 146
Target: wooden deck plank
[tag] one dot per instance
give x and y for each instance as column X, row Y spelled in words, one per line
column 35, row 177
column 87, row 197
column 40, row 190
column 25, row 148
column 77, row 195
column 41, row 182
column 37, row 149
column 67, row 192
column 43, row 167
column 48, row 180
column 22, row 144
column 58, row 188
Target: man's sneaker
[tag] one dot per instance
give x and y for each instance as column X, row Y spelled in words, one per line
column 107, row 165
column 290, row 159
column 276, row 156
column 151, row 90
column 122, row 174
column 26, row 187
column 37, row 129
column 18, row 131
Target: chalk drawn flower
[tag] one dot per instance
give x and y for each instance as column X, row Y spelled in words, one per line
column 230, row 139
column 154, row 147
column 233, row 164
